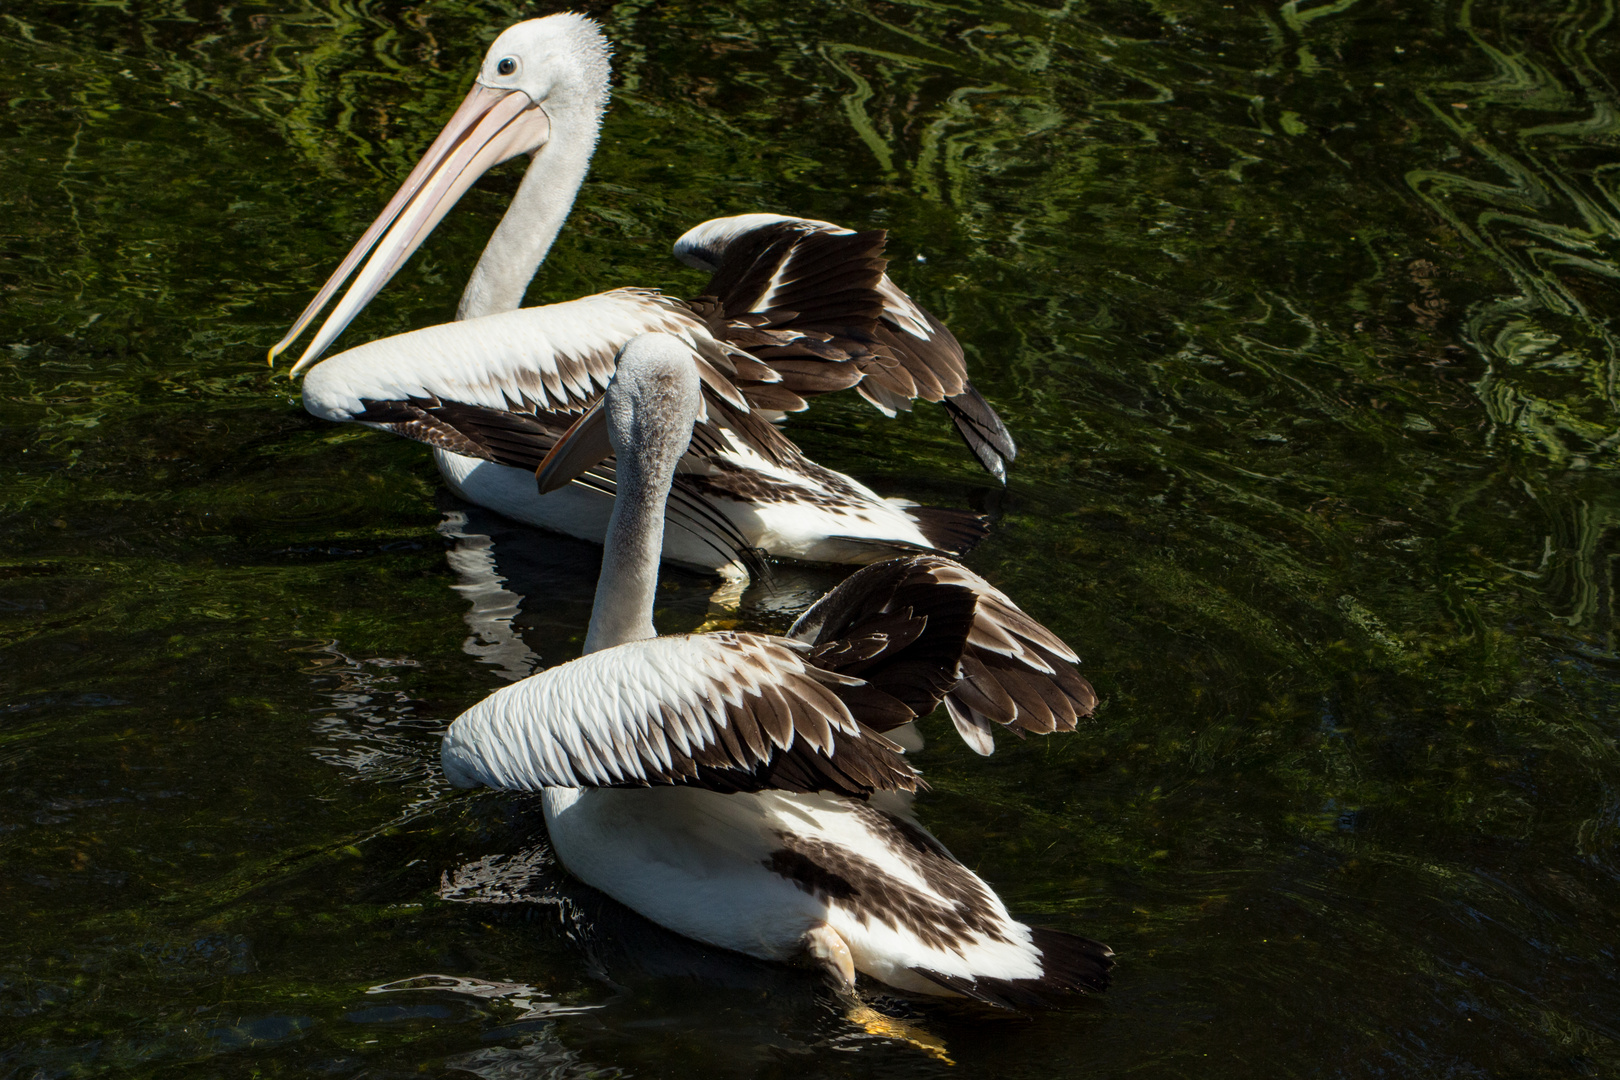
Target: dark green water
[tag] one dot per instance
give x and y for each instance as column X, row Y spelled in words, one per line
column 1301, row 314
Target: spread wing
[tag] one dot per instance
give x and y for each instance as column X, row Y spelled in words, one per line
column 726, row 711
column 901, row 624
column 1015, row 673
column 800, row 273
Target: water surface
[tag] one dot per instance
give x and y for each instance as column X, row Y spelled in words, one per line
column 1301, row 314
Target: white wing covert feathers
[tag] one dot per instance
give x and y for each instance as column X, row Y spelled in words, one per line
column 750, row 712
column 736, row 711
column 726, row 711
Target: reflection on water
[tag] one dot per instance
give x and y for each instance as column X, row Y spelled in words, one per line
column 1301, row 313
column 493, row 606
column 520, row 996
column 534, row 1055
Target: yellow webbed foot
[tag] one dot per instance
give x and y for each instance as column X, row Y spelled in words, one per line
column 875, row 1023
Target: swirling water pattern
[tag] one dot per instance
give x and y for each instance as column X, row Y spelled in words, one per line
column 1302, row 313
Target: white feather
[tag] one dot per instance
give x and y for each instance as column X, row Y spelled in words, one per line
column 497, row 360
column 696, row 862
column 573, row 725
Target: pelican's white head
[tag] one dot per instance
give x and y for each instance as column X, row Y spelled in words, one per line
column 562, row 62
column 645, row 418
column 541, row 90
column 653, row 401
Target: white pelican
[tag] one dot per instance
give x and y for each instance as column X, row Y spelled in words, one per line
column 492, row 395
column 738, row 788
column 808, row 299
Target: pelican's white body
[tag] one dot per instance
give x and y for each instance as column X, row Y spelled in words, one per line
column 805, row 528
column 773, row 874
column 561, row 355
column 697, row 863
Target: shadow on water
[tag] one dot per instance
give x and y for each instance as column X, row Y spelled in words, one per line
column 1301, row 313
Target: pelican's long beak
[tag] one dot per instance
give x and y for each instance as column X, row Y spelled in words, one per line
column 490, row 126
column 582, row 445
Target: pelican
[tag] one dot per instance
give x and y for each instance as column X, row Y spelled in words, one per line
column 804, row 307
column 750, row 791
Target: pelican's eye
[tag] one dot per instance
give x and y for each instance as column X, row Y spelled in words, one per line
column 506, row 67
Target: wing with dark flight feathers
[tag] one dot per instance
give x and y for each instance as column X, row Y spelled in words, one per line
column 897, row 624
column 820, row 278
column 726, row 711
column 734, row 711
column 1014, row 672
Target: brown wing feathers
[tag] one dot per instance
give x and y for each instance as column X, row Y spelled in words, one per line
column 804, row 304
column 1013, row 672
column 982, row 430
column 807, row 731
column 816, row 305
column 820, row 277
column 897, row 626
column 507, row 437
column 934, row 369
column 416, row 420
column 886, row 649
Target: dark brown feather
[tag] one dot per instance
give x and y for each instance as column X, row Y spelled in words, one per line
column 1006, row 674
column 895, row 625
column 1070, row 965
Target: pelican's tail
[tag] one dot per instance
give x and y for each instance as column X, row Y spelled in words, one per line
column 954, row 532
column 1070, row 965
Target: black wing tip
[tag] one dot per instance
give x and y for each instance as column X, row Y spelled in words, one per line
column 1071, row 966
column 954, row 532
column 983, row 431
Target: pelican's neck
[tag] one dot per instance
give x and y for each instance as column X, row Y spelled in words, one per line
column 635, row 539
column 520, row 242
column 652, row 404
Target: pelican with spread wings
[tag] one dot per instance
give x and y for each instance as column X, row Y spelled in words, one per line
column 750, row 790
column 795, row 308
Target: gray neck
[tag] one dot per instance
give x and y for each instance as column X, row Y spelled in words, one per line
column 627, row 589
column 520, row 242
column 651, row 405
